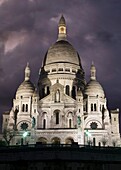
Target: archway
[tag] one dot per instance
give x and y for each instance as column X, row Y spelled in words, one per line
column 69, row 140
column 42, row 140
column 55, row 140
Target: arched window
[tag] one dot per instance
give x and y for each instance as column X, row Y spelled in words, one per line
column 43, row 92
column 57, row 117
column 100, row 108
column 91, row 107
column 86, row 106
column 48, row 90
column 70, row 123
column 26, row 107
column 44, row 124
column 67, row 89
column 23, row 108
column 74, row 92
column 95, row 107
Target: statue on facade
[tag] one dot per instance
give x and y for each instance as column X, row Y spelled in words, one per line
column 78, row 120
column 57, row 96
column 15, row 118
column 33, row 122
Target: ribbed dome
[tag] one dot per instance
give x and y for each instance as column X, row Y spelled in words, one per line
column 62, row 52
column 93, row 88
column 26, row 88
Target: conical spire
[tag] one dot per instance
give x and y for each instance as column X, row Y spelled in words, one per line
column 27, row 72
column 62, row 29
column 93, row 72
column 62, row 21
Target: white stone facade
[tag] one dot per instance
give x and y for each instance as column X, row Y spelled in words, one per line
column 64, row 107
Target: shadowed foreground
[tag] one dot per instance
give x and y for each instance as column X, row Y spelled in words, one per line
column 61, row 157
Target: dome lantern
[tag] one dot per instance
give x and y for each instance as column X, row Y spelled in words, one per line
column 62, row 29
column 93, row 72
column 27, row 72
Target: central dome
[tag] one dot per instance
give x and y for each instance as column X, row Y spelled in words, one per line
column 62, row 52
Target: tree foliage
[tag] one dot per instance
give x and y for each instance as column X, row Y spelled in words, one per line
column 8, row 135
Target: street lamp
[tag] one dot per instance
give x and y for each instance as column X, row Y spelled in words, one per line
column 88, row 134
column 25, row 135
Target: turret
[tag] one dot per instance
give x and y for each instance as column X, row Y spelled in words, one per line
column 27, row 72
column 93, row 72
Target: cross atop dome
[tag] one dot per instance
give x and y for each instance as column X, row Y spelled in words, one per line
column 62, row 29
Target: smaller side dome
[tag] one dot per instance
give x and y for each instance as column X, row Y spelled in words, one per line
column 93, row 87
column 26, row 88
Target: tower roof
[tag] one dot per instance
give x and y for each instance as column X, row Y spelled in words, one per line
column 27, row 72
column 93, row 87
column 62, row 29
column 26, row 87
column 62, row 21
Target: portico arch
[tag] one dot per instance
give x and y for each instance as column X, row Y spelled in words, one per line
column 69, row 140
column 55, row 140
column 42, row 140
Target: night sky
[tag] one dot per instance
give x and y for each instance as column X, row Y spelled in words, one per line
column 29, row 27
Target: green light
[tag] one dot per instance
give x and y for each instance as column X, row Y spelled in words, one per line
column 25, row 134
column 88, row 133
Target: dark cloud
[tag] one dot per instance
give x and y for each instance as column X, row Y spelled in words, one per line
column 29, row 27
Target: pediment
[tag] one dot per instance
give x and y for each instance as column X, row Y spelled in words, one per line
column 68, row 99
column 57, row 86
column 46, row 99
column 64, row 99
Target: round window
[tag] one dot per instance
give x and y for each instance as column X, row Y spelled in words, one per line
column 24, row 126
column 93, row 125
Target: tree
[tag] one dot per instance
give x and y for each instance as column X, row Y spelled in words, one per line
column 8, row 135
column 2, row 143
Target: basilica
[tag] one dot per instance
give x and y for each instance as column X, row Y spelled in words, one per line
column 63, row 108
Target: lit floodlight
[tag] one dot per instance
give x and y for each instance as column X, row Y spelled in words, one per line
column 25, row 134
column 88, row 133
